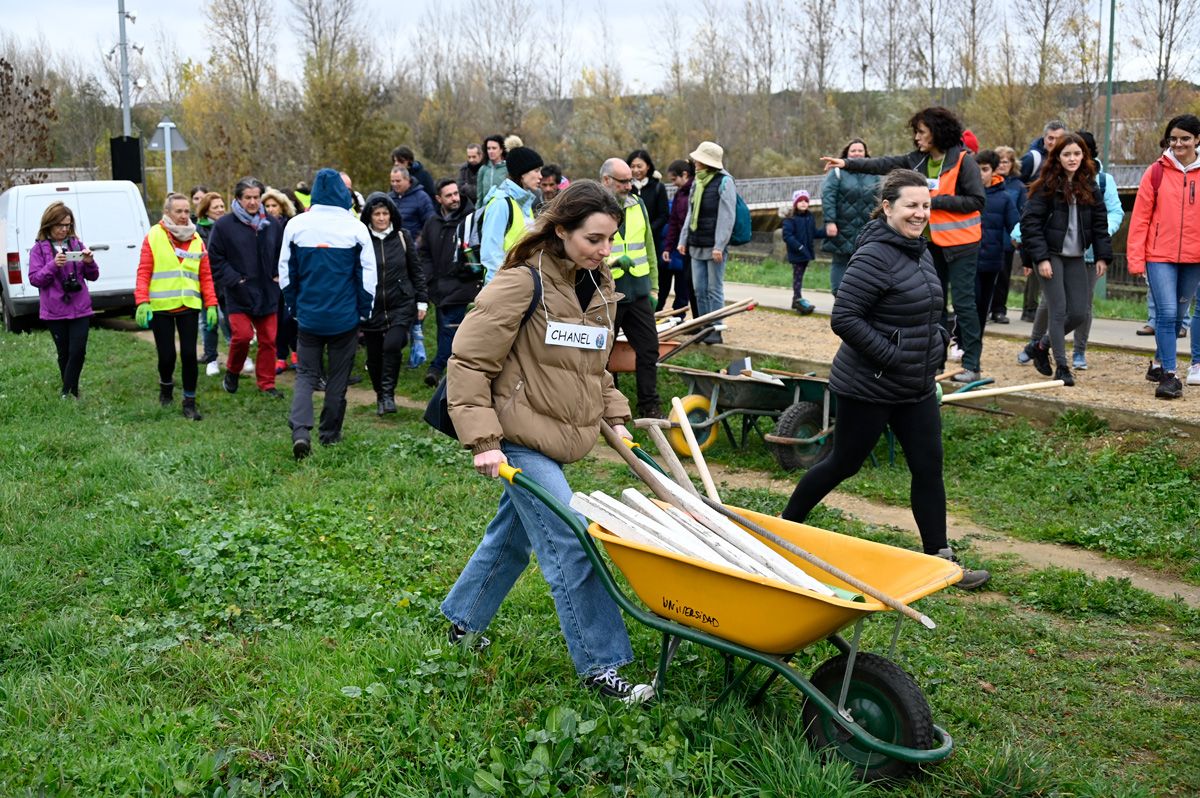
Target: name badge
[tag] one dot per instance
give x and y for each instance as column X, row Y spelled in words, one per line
column 932, row 183
column 577, row 336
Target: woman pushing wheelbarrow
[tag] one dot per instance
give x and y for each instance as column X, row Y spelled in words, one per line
column 887, row 314
column 527, row 386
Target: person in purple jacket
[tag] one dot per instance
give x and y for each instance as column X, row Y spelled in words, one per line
column 60, row 266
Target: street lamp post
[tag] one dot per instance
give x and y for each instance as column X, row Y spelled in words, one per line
column 1112, row 26
column 124, row 48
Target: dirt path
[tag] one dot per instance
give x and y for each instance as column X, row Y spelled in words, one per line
column 987, row 541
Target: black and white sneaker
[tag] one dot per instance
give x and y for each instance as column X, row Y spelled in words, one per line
column 612, row 684
column 230, row 382
column 461, row 637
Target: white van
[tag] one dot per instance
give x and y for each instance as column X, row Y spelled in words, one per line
column 109, row 218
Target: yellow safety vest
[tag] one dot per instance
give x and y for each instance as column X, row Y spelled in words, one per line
column 632, row 243
column 175, row 282
column 516, row 220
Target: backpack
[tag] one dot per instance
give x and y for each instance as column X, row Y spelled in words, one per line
column 468, row 239
column 742, row 228
column 437, row 412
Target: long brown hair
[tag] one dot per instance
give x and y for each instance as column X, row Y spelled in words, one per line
column 54, row 214
column 570, row 208
column 1053, row 178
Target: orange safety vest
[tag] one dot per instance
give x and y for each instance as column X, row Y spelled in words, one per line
column 950, row 228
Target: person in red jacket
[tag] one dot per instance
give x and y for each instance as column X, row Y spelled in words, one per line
column 1164, row 242
column 174, row 283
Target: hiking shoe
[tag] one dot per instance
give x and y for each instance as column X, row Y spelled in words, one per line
column 1193, row 377
column 166, row 394
column 1154, row 373
column 274, row 393
column 611, row 684
column 248, row 366
column 189, row 409
column 972, row 578
column 212, row 369
column 1063, row 373
column 1000, row 318
column 387, row 404
column 1041, row 358
column 1079, row 362
column 301, row 448
column 230, row 383
column 1023, row 357
column 956, row 352
column 803, row 307
column 433, row 377
column 966, row 376
column 473, row 641
column 1169, row 388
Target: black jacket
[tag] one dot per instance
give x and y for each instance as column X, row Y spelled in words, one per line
column 245, row 264
column 887, row 314
column 968, row 195
column 438, row 251
column 468, row 175
column 1044, row 226
column 401, row 278
column 658, row 210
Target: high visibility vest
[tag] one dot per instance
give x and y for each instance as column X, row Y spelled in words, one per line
column 175, row 282
column 516, row 220
column 631, row 242
column 949, row 228
column 304, row 199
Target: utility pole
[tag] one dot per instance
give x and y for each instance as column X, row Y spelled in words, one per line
column 1112, row 26
column 123, row 46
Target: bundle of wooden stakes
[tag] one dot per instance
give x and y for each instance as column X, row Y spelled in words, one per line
column 700, row 534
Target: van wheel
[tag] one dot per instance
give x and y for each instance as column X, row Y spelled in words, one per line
column 12, row 323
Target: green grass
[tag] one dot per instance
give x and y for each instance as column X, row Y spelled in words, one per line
column 188, row 612
column 778, row 274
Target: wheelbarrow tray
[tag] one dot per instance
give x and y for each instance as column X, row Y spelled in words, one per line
column 769, row 615
column 747, row 393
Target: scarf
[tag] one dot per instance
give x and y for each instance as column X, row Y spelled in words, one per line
column 699, row 183
column 258, row 222
column 180, row 232
column 640, row 184
column 381, row 234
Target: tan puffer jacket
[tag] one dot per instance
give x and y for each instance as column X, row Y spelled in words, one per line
column 505, row 382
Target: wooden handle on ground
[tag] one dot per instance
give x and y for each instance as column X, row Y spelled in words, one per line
column 986, row 392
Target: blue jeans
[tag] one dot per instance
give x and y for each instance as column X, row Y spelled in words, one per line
column 448, row 319
column 1152, row 311
column 837, row 270
column 708, row 282
column 1172, row 285
column 588, row 617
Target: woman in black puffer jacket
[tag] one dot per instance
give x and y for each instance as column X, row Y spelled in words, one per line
column 401, row 297
column 887, row 314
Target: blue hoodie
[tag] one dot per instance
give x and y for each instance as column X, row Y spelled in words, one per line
column 327, row 266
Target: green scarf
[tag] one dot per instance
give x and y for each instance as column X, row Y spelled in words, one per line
column 703, row 178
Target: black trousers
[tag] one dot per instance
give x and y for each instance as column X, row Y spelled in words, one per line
column 918, row 427
column 164, row 326
column 311, row 348
column 70, row 341
column 384, row 350
column 636, row 319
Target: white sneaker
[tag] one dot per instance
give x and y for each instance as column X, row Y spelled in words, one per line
column 955, row 352
column 248, row 366
column 1193, row 377
column 213, row 369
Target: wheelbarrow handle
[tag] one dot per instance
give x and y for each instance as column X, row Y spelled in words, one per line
column 509, row 473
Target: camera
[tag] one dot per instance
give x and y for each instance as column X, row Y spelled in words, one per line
column 71, row 284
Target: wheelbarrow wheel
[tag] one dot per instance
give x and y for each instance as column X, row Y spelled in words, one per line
column 801, row 420
column 881, row 698
column 697, row 408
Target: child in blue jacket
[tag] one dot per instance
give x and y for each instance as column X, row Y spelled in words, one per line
column 998, row 214
column 799, row 230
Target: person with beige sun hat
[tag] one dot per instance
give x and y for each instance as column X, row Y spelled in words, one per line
column 712, row 209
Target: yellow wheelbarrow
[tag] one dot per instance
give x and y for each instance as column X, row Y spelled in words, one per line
column 859, row 706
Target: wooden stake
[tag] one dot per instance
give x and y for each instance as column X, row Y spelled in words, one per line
column 951, row 398
column 694, row 447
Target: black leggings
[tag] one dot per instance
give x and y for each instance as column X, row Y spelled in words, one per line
column 918, row 427
column 164, row 325
column 70, row 340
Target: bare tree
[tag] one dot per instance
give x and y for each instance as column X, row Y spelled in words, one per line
column 503, row 41
column 976, row 25
column 1043, row 17
column 817, row 28
column 890, row 40
column 243, row 38
column 929, row 43
column 327, row 28
column 1169, row 39
column 24, row 125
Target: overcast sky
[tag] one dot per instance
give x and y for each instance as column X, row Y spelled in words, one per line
column 89, row 27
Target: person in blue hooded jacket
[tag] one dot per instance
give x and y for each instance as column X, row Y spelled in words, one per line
column 508, row 209
column 328, row 276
